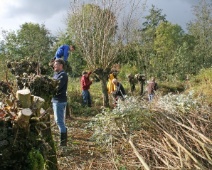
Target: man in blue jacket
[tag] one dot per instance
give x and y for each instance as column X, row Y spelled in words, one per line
column 63, row 51
column 59, row 100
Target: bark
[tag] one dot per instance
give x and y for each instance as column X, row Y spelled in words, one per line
column 105, row 92
column 24, row 96
column 103, row 77
column 23, row 117
column 37, row 103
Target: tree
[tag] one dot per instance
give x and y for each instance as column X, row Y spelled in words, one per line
column 168, row 39
column 201, row 30
column 31, row 40
column 144, row 45
column 94, row 29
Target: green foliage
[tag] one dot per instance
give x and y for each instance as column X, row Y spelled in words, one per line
column 168, row 38
column 31, row 40
column 75, row 100
column 202, row 84
column 140, row 51
column 35, row 160
column 126, row 70
column 201, row 29
column 77, row 63
column 154, row 18
column 128, row 55
column 171, row 87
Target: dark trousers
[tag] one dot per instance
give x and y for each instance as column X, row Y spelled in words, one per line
column 86, row 98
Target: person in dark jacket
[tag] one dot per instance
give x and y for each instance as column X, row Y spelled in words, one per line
column 132, row 81
column 85, row 86
column 59, row 100
column 119, row 92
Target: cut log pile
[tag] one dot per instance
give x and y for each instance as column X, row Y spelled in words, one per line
column 22, row 108
column 25, row 119
column 24, row 125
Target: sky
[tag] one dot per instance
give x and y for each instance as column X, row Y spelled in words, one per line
column 52, row 13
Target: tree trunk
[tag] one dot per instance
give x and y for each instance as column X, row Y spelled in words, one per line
column 103, row 77
column 104, row 91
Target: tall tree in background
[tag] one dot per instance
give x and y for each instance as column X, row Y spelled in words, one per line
column 168, row 38
column 183, row 61
column 147, row 34
column 31, row 40
column 94, row 29
column 201, row 30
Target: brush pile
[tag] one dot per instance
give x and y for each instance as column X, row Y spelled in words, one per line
column 40, row 85
column 28, row 75
column 18, row 67
column 173, row 132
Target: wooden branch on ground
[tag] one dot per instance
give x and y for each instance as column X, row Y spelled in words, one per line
column 146, row 167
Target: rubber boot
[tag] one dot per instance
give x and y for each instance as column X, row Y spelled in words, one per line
column 63, row 138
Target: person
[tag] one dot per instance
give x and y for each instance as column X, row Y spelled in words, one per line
column 119, row 92
column 59, row 100
column 151, row 88
column 110, row 85
column 141, row 79
column 132, row 82
column 63, row 51
column 85, row 86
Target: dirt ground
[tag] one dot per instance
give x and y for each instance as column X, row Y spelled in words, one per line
column 81, row 153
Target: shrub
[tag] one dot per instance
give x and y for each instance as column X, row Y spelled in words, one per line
column 35, row 160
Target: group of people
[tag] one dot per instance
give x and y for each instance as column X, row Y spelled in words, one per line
column 151, row 86
column 59, row 100
column 117, row 90
column 114, row 87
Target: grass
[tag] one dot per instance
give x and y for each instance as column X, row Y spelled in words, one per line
column 202, row 85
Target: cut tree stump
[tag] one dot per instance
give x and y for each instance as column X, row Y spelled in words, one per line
column 37, row 103
column 23, row 117
column 24, row 96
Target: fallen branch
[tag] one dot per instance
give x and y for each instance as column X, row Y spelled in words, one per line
column 138, row 155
